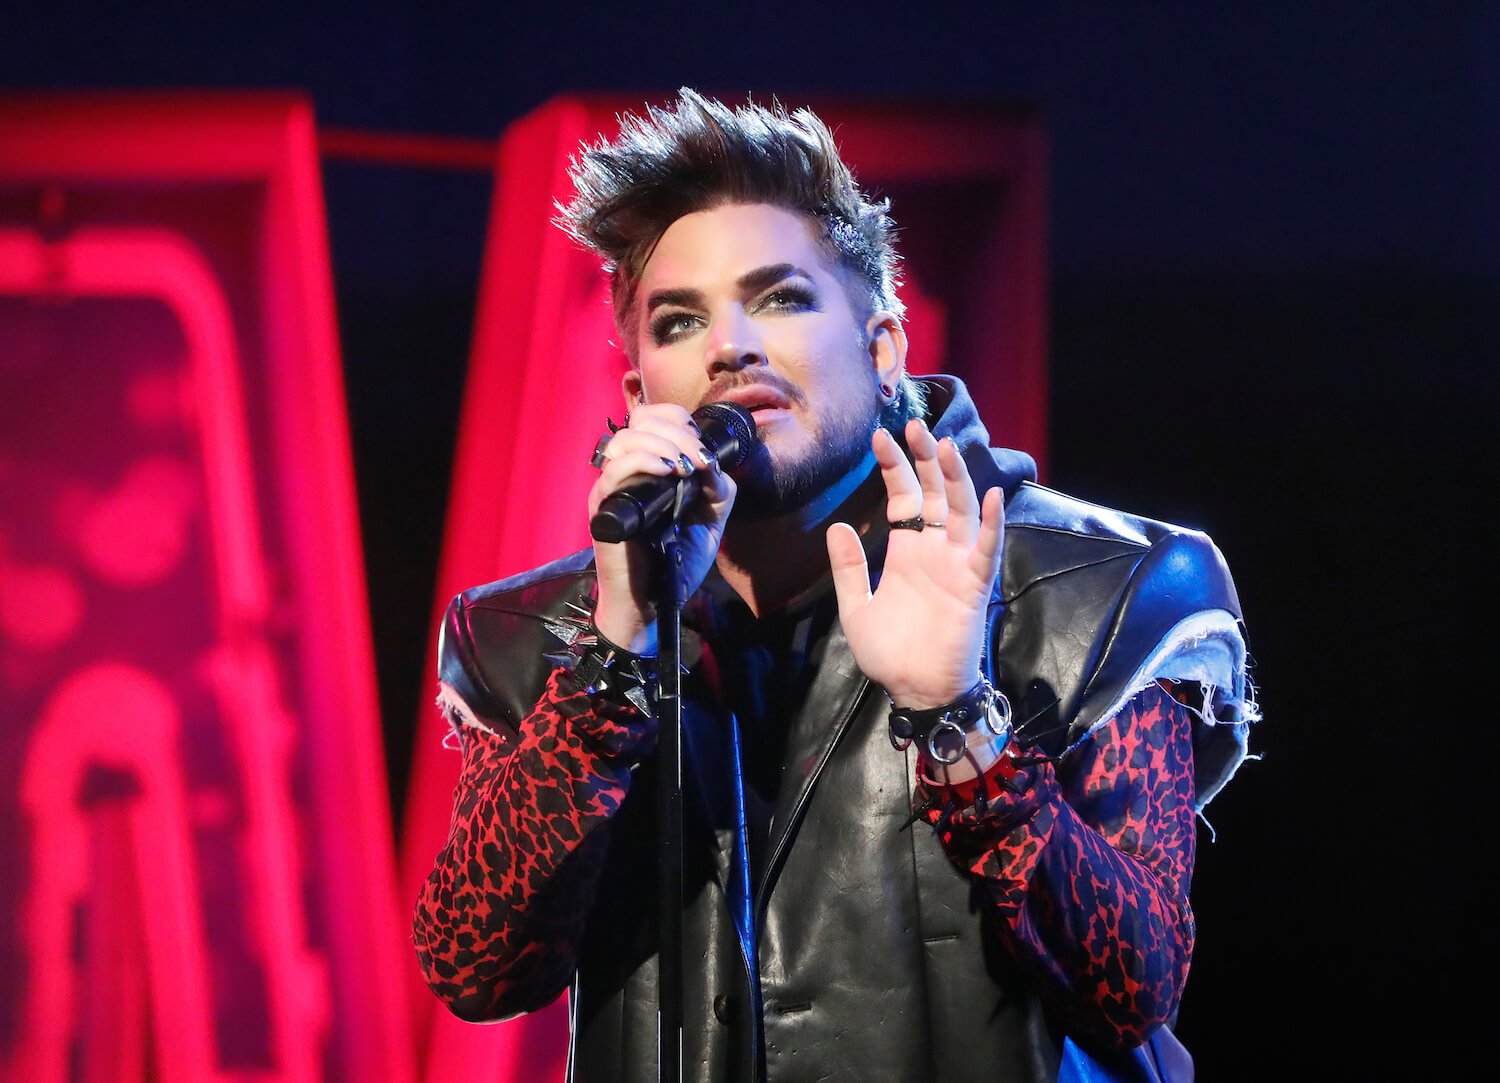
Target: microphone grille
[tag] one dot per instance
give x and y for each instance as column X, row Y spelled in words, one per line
column 736, row 426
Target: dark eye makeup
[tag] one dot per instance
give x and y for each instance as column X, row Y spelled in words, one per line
column 671, row 326
column 668, row 327
column 789, row 298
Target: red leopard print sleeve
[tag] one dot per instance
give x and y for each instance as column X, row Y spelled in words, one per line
column 531, row 809
column 1089, row 870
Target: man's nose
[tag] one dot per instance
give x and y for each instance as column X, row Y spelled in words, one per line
column 732, row 344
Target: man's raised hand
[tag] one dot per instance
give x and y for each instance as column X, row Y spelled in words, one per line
column 920, row 633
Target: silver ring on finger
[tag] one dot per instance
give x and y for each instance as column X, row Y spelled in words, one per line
column 596, row 460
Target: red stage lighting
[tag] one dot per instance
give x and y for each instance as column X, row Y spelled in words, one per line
column 192, row 785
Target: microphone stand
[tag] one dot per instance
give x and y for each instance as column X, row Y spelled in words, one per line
column 728, row 432
column 670, row 595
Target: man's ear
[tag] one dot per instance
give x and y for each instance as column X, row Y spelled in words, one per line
column 633, row 388
column 887, row 347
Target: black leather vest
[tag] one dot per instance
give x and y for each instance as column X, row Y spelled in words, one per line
column 870, row 963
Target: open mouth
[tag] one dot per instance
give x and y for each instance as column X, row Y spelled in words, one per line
column 758, row 399
column 768, row 415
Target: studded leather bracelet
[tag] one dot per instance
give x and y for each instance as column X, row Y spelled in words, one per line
column 943, row 732
column 602, row 668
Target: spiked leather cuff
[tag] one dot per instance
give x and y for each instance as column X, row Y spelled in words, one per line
column 602, row 668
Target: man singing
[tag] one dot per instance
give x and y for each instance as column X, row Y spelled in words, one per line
column 946, row 730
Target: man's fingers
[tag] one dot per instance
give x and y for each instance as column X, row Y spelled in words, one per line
column 903, row 493
column 655, row 461
column 963, row 505
column 618, row 473
column 986, row 552
column 669, row 412
column 851, row 576
column 924, row 452
column 677, row 428
column 629, row 442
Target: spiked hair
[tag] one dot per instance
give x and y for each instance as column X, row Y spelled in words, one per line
column 700, row 154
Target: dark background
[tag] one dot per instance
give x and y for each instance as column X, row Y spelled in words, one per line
column 1275, row 279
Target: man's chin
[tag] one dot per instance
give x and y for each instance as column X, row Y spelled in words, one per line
column 763, row 489
column 768, row 489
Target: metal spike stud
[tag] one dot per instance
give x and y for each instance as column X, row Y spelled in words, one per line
column 564, row 632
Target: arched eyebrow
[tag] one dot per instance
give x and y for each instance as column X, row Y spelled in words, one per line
column 762, row 278
column 749, row 284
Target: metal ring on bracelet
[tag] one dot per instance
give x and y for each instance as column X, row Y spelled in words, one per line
column 944, row 731
column 917, row 523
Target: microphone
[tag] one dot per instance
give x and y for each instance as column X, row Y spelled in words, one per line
column 728, row 433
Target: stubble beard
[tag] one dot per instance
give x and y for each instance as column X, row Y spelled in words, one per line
column 768, row 487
